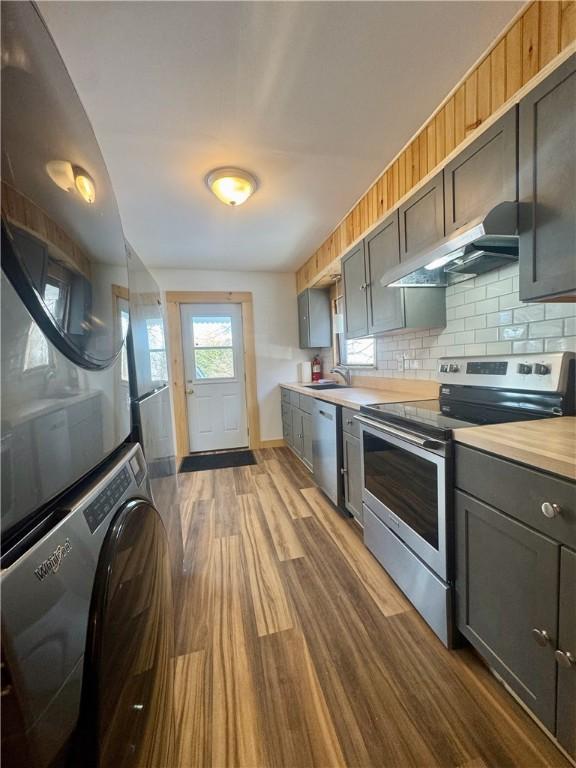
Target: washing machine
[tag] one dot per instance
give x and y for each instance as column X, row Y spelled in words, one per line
column 87, row 607
column 88, row 631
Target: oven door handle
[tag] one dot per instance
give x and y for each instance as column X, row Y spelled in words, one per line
column 386, row 429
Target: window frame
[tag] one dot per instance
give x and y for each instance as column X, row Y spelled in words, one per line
column 231, row 347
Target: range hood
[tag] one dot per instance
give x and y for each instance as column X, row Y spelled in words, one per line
column 486, row 243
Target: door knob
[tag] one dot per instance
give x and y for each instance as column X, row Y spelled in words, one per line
column 189, row 391
column 541, row 636
column 565, row 659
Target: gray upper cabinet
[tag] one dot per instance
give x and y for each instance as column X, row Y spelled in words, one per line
column 507, row 600
column 355, row 286
column 422, row 218
column 314, row 318
column 483, row 175
column 548, row 187
column 566, row 724
column 382, row 250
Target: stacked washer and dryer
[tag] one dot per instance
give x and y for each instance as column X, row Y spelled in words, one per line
column 89, row 562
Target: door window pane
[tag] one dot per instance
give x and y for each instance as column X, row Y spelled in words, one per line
column 215, row 363
column 212, row 331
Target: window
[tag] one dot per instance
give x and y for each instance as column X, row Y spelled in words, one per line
column 355, row 352
column 157, row 349
column 213, row 351
column 124, row 322
column 37, row 353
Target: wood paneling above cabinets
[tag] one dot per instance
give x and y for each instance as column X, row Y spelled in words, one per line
column 540, row 34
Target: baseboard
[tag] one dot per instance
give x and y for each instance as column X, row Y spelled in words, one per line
column 272, row 443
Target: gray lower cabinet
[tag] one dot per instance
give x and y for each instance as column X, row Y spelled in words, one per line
column 297, row 424
column 370, row 307
column 566, row 653
column 352, row 467
column 482, row 175
column 422, row 218
column 507, row 593
column 548, row 187
column 314, row 319
column 355, row 286
column 516, row 581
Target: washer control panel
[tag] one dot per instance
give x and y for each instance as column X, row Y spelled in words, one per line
column 102, row 505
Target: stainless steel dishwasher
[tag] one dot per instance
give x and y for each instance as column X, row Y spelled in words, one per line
column 326, row 448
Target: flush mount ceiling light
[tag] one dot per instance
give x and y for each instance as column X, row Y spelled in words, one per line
column 72, row 177
column 232, row 186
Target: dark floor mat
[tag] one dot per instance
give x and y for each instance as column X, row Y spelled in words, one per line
column 217, row 461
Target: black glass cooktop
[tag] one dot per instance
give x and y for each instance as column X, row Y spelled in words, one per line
column 436, row 418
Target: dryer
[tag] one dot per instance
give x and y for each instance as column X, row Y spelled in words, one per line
column 88, row 631
column 65, row 301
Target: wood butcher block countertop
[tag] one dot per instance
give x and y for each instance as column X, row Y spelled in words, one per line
column 353, row 397
column 546, row 444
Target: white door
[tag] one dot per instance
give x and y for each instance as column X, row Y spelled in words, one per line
column 214, row 371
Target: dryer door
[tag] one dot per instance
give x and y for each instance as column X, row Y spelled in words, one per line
column 127, row 718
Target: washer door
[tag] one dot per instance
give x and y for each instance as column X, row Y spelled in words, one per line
column 127, row 718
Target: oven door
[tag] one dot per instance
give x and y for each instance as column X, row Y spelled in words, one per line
column 404, row 483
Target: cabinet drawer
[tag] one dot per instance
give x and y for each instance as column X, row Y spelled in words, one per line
column 349, row 423
column 295, row 398
column 519, row 491
column 306, row 403
column 285, row 395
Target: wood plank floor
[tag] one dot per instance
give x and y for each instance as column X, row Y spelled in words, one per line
column 295, row 649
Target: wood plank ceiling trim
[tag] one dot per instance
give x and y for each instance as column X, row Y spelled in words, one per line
column 535, row 42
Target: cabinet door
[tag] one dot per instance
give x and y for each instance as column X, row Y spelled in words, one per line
column 287, row 423
column 566, row 717
column 355, row 301
column 548, row 186
column 319, row 318
column 303, row 320
column 422, row 218
column 307, row 440
column 506, row 594
column 352, row 475
column 483, row 175
column 297, row 440
column 385, row 305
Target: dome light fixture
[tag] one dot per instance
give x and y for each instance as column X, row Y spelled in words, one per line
column 232, row 186
column 72, row 177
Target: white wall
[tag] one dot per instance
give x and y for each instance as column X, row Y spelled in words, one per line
column 275, row 328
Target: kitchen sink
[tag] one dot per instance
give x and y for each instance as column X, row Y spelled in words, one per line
column 326, row 386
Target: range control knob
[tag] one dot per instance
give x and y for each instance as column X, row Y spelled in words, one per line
column 541, row 370
column 523, row 368
column 443, row 368
column 452, row 368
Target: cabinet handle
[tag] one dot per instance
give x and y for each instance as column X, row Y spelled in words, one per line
column 541, row 636
column 565, row 659
column 550, row 510
column 349, row 421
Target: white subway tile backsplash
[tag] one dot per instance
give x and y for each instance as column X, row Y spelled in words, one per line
column 499, row 348
column 484, row 317
column 546, row 328
column 560, row 309
column 529, row 313
column 513, row 332
column 499, row 318
column 500, row 288
column 564, row 344
column 528, row 347
column 486, row 334
column 488, row 305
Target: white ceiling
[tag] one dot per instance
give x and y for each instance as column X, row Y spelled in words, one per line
column 314, row 98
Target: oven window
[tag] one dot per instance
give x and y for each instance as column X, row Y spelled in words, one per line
column 405, row 483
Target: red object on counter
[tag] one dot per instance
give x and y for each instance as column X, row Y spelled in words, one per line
column 316, row 368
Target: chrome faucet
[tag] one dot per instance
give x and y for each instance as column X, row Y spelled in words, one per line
column 344, row 372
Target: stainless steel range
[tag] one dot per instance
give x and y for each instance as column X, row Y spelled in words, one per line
column 407, row 464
